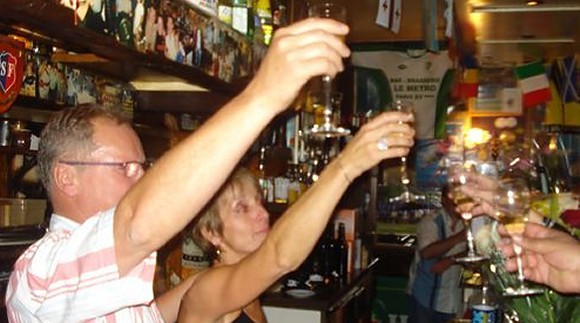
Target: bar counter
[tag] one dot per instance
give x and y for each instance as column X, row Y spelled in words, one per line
column 347, row 302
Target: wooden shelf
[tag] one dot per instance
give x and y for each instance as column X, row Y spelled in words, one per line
column 52, row 23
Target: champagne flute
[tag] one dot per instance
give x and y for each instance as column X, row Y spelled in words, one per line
column 457, row 176
column 512, row 202
column 328, row 127
column 405, row 107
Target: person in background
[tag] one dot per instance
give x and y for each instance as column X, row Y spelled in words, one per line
column 434, row 277
column 97, row 260
column 249, row 257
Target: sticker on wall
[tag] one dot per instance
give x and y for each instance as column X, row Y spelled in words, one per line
column 11, row 70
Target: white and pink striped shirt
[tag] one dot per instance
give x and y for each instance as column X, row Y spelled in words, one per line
column 71, row 275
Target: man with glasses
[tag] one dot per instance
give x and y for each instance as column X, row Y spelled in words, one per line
column 97, row 260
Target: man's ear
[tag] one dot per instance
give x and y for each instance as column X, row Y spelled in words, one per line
column 65, row 179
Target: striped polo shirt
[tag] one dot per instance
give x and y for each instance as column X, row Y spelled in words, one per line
column 71, row 275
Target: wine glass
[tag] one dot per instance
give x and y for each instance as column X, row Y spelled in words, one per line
column 457, row 175
column 512, row 202
column 328, row 128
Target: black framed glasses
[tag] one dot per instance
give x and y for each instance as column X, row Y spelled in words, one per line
column 129, row 168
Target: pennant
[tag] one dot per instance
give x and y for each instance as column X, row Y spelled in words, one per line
column 396, row 17
column 533, row 83
column 389, row 15
column 430, row 25
column 448, row 15
column 469, row 85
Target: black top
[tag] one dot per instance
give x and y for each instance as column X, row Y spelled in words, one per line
column 243, row 318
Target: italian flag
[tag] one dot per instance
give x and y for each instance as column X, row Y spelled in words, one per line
column 533, row 83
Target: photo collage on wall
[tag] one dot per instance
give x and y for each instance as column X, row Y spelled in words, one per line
column 174, row 30
column 62, row 85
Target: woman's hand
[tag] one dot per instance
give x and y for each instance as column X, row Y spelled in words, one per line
column 386, row 136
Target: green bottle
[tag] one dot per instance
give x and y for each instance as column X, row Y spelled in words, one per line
column 240, row 16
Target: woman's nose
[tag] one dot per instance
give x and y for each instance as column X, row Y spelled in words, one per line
column 261, row 213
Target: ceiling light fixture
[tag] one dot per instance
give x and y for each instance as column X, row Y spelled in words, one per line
column 523, row 8
column 533, row 2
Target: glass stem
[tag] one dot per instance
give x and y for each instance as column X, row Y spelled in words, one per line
column 470, row 245
column 326, row 89
column 518, row 252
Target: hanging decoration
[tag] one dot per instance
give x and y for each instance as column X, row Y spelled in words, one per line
column 564, row 76
column 430, row 25
column 449, row 20
column 533, row 83
column 389, row 15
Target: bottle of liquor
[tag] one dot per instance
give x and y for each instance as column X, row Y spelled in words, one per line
column 225, row 11
column 264, row 13
column 252, row 16
column 327, row 248
column 279, row 18
column 240, row 16
column 342, row 251
column 193, row 259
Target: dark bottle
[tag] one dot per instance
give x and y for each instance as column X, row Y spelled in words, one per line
column 342, row 252
column 327, row 252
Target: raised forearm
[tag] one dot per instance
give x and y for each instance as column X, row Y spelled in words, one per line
column 441, row 247
column 307, row 218
column 184, row 179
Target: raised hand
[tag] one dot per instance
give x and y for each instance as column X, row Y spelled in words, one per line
column 551, row 257
column 303, row 50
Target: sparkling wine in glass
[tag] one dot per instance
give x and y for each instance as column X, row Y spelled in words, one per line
column 512, row 202
column 405, row 107
column 457, row 177
column 328, row 128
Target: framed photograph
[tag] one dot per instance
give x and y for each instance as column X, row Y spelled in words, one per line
column 502, row 102
column 497, row 94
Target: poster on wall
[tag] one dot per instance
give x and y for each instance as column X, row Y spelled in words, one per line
column 417, row 76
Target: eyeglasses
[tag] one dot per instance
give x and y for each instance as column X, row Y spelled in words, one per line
column 130, row 168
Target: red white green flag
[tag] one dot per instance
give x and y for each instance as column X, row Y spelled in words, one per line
column 533, row 83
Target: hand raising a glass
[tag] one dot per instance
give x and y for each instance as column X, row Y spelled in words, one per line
column 328, row 128
column 512, row 202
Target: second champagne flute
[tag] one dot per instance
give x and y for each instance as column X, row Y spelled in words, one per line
column 336, row 11
column 457, row 176
column 512, row 202
column 405, row 107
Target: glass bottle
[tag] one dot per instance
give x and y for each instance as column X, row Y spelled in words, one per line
column 342, row 252
column 225, row 11
column 327, row 247
column 264, row 13
column 240, row 16
column 193, row 259
column 484, row 306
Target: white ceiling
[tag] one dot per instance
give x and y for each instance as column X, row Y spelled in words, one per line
column 535, row 34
